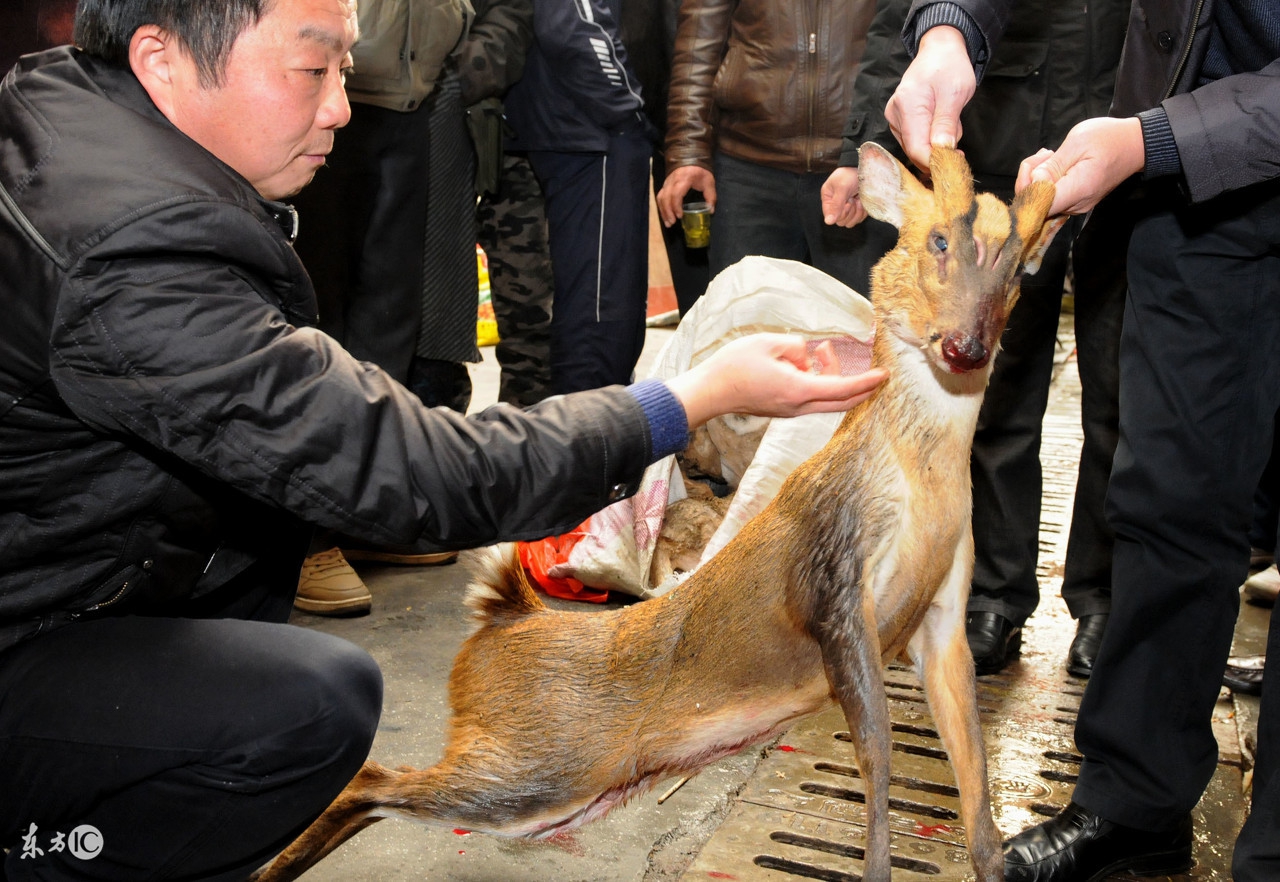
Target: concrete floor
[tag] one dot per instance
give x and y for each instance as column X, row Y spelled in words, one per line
column 755, row 815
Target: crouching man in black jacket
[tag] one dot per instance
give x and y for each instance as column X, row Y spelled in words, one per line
column 172, row 426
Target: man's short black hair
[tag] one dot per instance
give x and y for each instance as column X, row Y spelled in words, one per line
column 208, row 28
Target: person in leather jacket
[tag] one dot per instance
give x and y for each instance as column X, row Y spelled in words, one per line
column 173, row 426
column 760, row 92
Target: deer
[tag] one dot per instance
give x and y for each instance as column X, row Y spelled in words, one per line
column 864, row 555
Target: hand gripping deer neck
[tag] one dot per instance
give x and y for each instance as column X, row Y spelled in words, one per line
column 864, row 555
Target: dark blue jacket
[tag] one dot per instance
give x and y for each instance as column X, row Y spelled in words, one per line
column 578, row 86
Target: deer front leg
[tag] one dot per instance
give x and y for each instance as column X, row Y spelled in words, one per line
column 941, row 655
column 850, row 645
column 346, row 816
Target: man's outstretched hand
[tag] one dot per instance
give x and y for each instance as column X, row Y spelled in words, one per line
column 772, row 375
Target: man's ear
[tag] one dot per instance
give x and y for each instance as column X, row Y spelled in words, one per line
column 160, row 63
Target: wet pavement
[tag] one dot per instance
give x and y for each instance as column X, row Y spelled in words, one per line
column 791, row 810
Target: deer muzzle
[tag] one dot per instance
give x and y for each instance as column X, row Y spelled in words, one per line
column 964, row 352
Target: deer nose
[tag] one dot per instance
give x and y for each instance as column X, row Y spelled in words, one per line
column 964, row 352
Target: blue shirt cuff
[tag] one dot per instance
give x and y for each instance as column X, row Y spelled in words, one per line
column 668, row 424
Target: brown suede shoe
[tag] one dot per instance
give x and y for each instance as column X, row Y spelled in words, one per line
column 375, row 555
column 327, row 586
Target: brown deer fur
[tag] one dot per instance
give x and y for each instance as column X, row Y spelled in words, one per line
column 865, row 553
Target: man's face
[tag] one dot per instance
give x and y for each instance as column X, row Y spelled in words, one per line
column 273, row 116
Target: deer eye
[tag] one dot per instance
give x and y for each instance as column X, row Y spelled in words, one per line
column 940, row 243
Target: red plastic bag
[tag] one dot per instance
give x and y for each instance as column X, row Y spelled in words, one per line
column 539, row 557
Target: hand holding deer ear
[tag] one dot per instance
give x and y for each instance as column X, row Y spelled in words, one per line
column 1096, row 156
column 925, row 108
column 770, row 375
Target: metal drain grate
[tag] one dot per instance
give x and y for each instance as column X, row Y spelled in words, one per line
column 802, row 816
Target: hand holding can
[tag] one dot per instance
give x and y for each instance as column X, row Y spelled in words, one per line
column 696, row 222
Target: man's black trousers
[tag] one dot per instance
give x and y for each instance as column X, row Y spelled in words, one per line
column 149, row 747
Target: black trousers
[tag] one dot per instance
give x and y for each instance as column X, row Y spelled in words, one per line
column 598, row 223
column 778, row 213
column 361, row 226
column 387, row 233
column 1266, row 502
column 1005, row 465
column 154, row 747
column 1199, row 393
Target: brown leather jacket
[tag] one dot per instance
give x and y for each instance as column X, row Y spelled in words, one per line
column 766, row 81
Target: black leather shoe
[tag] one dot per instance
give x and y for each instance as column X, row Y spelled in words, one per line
column 1084, row 649
column 994, row 641
column 1244, row 674
column 1079, row 846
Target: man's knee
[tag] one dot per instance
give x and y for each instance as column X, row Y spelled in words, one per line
column 328, row 701
column 345, row 686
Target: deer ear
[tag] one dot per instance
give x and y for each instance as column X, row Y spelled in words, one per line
column 884, row 184
column 1030, row 210
column 1036, row 253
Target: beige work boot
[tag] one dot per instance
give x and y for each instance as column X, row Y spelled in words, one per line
column 328, row 586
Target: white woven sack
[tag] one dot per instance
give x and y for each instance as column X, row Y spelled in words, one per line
column 756, row 294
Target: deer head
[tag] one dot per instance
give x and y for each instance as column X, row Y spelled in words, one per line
column 949, row 284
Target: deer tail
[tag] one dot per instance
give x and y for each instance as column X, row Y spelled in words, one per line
column 500, row 587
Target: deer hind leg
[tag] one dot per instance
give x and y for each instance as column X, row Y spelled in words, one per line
column 941, row 654
column 352, row 811
column 475, row 786
column 850, row 645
